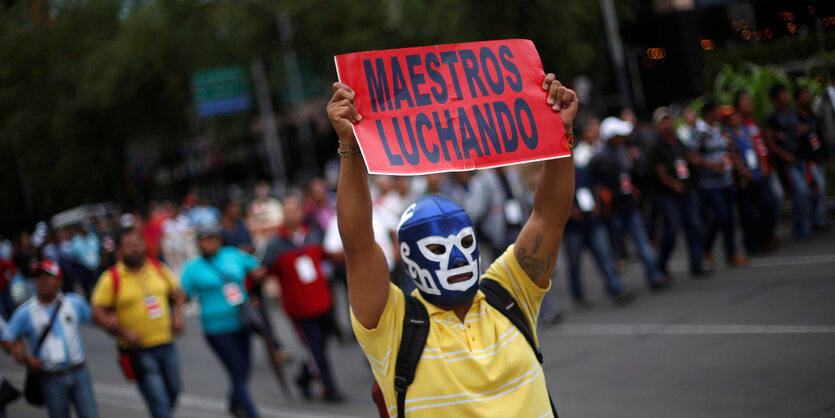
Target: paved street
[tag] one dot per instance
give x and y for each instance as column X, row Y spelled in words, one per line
column 757, row 341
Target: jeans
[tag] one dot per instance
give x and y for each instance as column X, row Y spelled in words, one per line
column 60, row 390
column 314, row 333
column 800, row 199
column 757, row 214
column 718, row 213
column 159, row 378
column 594, row 236
column 233, row 350
column 818, row 196
column 675, row 210
column 633, row 223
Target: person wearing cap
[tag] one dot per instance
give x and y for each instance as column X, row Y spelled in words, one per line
column 673, row 193
column 715, row 168
column 139, row 302
column 585, row 229
column 614, row 169
column 216, row 279
column 756, row 203
column 60, row 358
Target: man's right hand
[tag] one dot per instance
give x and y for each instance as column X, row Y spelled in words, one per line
column 110, row 324
column 677, row 186
column 342, row 113
column 34, row 364
column 132, row 339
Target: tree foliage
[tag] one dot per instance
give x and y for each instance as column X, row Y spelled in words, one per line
column 84, row 79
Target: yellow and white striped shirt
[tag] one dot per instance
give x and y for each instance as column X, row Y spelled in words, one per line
column 482, row 367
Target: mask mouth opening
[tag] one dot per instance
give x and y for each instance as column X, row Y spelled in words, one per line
column 460, row 278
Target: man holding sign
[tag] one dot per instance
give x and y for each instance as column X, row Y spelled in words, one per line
column 475, row 360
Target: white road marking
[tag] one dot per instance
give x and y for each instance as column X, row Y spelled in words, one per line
column 684, row 329
column 682, row 266
column 127, row 396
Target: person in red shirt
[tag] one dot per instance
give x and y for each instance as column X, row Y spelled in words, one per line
column 295, row 255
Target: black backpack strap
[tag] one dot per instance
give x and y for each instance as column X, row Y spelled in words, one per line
column 500, row 299
column 412, row 341
column 46, row 330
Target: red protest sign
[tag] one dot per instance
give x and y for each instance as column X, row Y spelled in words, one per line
column 452, row 107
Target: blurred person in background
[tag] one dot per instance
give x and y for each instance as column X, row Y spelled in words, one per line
column 673, row 190
column 585, row 229
column 824, row 107
column 395, row 201
column 7, row 272
column 152, row 229
column 58, row 354
column 295, row 256
column 86, row 247
column 687, row 132
column 745, row 107
column 24, row 254
column 216, row 279
column 177, row 239
column 319, row 207
column 108, row 232
column 714, row 168
column 204, row 213
column 613, row 170
column 395, row 195
column 782, row 132
column 233, row 231
column 6, row 248
column 757, row 210
column 265, row 215
column 815, row 152
column 140, row 302
column 459, row 187
column 495, row 202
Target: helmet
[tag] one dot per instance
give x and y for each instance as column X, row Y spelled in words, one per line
column 439, row 250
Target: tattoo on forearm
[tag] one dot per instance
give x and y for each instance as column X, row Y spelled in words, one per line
column 536, row 264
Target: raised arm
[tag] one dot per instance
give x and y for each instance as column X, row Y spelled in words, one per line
column 368, row 275
column 539, row 242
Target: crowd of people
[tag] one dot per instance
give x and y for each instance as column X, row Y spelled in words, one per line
column 712, row 171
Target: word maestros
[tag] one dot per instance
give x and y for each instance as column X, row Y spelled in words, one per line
column 434, row 87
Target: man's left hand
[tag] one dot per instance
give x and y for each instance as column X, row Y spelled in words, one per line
column 177, row 323
column 561, row 99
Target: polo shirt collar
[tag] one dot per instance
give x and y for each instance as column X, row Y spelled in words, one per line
column 435, row 310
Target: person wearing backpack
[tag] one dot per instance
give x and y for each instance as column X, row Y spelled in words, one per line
column 139, row 302
column 471, row 357
column 49, row 322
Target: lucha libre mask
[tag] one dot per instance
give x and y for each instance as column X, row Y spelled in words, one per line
column 440, row 251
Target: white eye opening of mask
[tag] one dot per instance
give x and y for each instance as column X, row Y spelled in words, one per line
column 456, row 278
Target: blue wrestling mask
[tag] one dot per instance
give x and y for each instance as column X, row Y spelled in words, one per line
column 439, row 250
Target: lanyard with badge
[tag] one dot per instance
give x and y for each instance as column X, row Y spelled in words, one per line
column 231, row 291
column 152, row 303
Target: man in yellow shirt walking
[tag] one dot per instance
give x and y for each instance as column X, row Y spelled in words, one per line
column 475, row 362
column 140, row 303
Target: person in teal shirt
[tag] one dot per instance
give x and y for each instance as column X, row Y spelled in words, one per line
column 216, row 278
